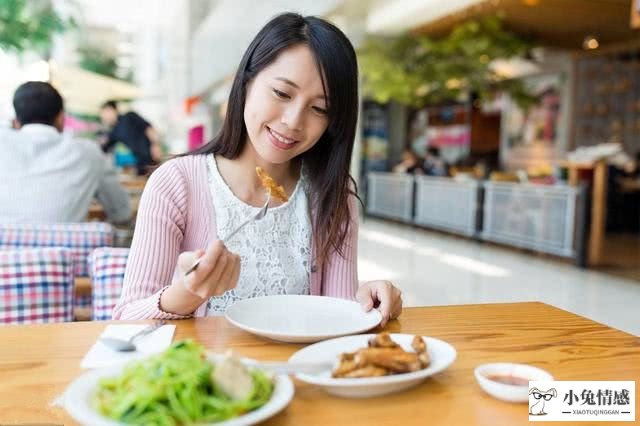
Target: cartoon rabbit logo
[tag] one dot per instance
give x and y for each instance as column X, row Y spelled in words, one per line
column 538, row 398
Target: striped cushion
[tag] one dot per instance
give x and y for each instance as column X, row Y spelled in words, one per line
column 80, row 238
column 107, row 274
column 36, row 285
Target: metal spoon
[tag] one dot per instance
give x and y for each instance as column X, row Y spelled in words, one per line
column 127, row 345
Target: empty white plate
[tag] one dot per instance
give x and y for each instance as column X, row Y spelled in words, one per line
column 441, row 353
column 301, row 319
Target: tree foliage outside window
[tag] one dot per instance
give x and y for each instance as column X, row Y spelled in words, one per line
column 29, row 25
column 96, row 60
column 418, row 70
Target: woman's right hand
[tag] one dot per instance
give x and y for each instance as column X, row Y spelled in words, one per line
column 218, row 271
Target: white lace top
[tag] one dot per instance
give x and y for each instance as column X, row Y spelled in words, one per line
column 274, row 251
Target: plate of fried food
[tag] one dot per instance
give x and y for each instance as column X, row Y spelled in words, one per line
column 369, row 365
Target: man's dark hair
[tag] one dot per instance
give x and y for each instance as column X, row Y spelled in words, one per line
column 110, row 104
column 434, row 150
column 37, row 102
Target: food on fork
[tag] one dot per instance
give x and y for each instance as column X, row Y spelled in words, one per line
column 270, row 185
column 382, row 357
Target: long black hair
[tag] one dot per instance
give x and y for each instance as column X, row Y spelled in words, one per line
column 327, row 162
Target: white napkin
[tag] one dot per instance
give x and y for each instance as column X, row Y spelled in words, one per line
column 101, row 355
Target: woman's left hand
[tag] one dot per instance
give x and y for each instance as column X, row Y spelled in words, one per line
column 382, row 295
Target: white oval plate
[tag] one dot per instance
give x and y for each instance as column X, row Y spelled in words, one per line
column 301, row 319
column 441, row 353
column 77, row 400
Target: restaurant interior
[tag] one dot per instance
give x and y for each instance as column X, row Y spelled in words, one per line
column 497, row 164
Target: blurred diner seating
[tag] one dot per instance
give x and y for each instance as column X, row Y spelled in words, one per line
column 107, row 265
column 80, row 238
column 37, row 285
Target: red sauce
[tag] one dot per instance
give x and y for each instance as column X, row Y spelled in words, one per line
column 508, row 379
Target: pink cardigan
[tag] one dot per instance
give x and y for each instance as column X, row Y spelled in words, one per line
column 176, row 214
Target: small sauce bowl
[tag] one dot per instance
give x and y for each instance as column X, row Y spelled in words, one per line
column 507, row 381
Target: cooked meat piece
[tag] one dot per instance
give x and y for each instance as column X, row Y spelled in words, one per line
column 382, row 340
column 233, row 378
column 419, row 345
column 347, row 356
column 394, row 359
column 424, row 359
column 368, row 371
column 270, row 185
column 383, row 357
column 345, row 367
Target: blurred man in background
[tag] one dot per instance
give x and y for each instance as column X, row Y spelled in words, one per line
column 46, row 176
column 434, row 165
column 133, row 131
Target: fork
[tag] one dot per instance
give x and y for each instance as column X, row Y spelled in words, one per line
column 261, row 213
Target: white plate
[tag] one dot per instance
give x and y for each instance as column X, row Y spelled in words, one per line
column 441, row 353
column 301, row 319
column 77, row 400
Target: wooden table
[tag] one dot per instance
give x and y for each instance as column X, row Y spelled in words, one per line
column 37, row 362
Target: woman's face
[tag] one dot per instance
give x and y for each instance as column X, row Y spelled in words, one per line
column 285, row 111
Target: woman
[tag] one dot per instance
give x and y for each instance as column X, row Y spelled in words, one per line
column 292, row 110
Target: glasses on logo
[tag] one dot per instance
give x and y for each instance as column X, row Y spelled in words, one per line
column 547, row 397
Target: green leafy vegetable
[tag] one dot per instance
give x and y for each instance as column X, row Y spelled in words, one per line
column 175, row 388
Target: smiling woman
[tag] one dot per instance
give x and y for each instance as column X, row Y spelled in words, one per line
column 292, row 112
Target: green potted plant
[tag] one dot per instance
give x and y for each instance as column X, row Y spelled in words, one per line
column 417, row 70
column 29, row 25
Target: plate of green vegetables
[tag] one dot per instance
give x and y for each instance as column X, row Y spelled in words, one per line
column 181, row 386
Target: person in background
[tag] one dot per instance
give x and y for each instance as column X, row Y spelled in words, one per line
column 633, row 168
column 434, row 165
column 133, row 131
column 292, row 111
column 47, row 176
column 410, row 163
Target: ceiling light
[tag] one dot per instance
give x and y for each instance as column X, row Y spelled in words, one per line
column 590, row 43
